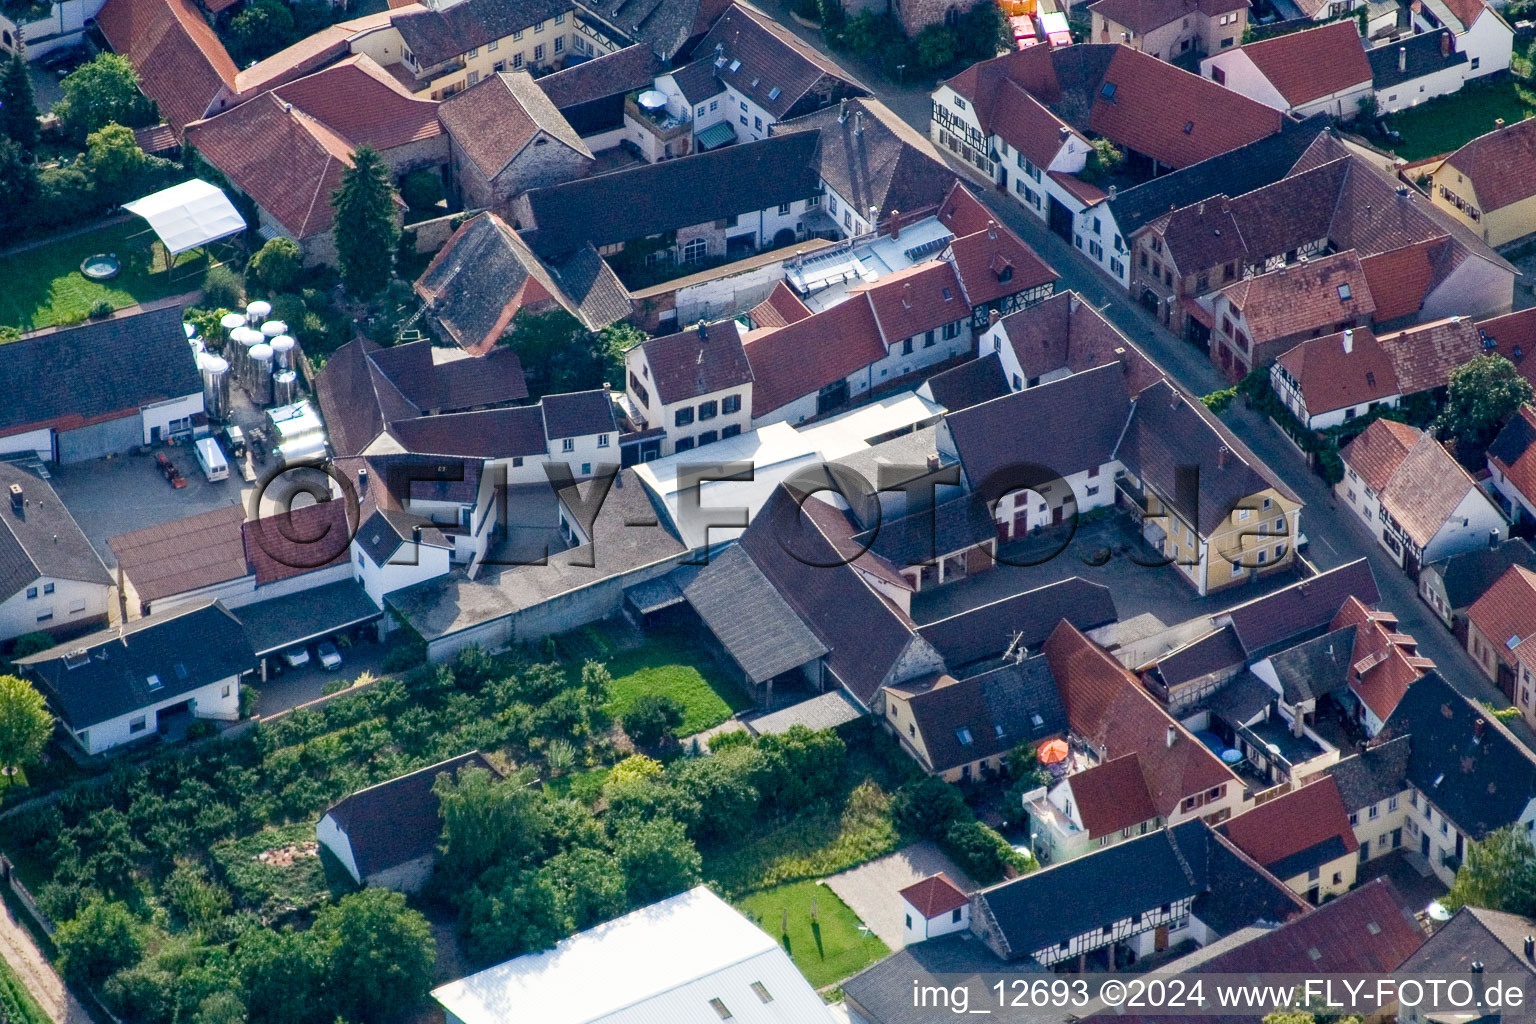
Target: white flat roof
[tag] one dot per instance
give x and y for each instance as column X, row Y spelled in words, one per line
column 662, row 963
column 188, row 215
column 776, row 451
column 823, row 278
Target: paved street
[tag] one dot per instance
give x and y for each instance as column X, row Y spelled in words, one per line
column 1336, row 536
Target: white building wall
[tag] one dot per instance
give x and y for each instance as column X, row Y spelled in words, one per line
column 39, row 441
column 916, row 928
column 1469, row 527
column 330, row 836
column 233, row 593
column 71, row 601
column 797, row 411
column 171, row 415
column 1489, row 42
column 585, row 452
column 1417, row 90
column 1511, row 493
column 752, row 121
column 219, row 699
column 1243, row 77
column 412, row 563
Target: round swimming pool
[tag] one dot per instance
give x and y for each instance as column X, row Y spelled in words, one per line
column 103, row 266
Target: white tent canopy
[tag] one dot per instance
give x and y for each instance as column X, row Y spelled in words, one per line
column 188, row 215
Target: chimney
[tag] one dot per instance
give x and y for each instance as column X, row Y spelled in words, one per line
column 1073, row 302
column 933, row 461
column 1402, row 59
column 1173, row 734
column 1445, row 44
column 416, row 534
column 362, row 481
column 1349, row 340
column 842, row 112
column 895, row 224
column 994, row 316
column 858, row 122
column 1493, row 538
column 1498, row 123
column 1123, row 359
column 1530, row 948
column 1063, row 133
column 1223, row 457
column 1477, row 730
column 906, row 296
column 1114, row 191
column 18, row 499
column 991, row 229
column 703, row 329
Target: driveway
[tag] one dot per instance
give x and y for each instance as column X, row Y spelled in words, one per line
column 302, row 685
column 20, row 951
column 870, row 889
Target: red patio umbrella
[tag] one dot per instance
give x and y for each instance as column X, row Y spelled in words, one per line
column 1053, row 751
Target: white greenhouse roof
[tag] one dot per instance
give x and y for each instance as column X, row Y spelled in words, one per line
column 662, row 964
column 188, row 215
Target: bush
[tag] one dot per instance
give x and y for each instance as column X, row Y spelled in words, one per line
column 927, row 807
column 653, row 719
column 101, row 940
column 937, row 46
column 277, row 264
column 421, row 190
column 979, row 851
column 222, row 287
column 101, row 308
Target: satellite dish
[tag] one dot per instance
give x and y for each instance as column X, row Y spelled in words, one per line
column 1436, row 912
column 653, row 99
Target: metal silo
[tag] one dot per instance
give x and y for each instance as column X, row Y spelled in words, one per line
column 285, row 387
column 260, row 381
column 256, row 312
column 215, row 373
column 282, row 354
column 272, row 328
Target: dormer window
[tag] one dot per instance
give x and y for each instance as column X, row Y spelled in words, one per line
column 1005, row 274
column 154, row 683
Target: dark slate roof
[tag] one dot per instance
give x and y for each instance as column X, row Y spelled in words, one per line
column 1373, row 775
column 874, row 158
column 1301, row 610
column 612, row 74
column 487, row 434
column 594, row 292
column 100, row 369
column 654, row 198
column 753, row 623
column 988, row 630
column 280, row 622
column 44, row 540
column 1468, row 575
column 1126, row 879
column 767, row 63
column 865, row 634
column 970, row 383
column 962, row 721
column 916, row 539
column 192, row 646
column 1214, row 652
column 1480, row 783
column 1233, row 173
column 697, row 81
column 666, row 26
column 1424, row 58
column 1166, row 430
column 882, row 993
column 384, row 532
column 578, row 414
column 1074, row 424
column 396, row 821
column 1315, row 667
column 688, row 365
column 435, row 35
column 1490, row 937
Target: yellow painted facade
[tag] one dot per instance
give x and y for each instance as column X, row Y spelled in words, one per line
column 1256, row 537
column 1453, row 192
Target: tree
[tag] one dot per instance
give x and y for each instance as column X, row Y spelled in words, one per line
column 282, row 974
column 983, row 32
column 928, row 807
column 653, row 719
column 261, row 29
column 589, row 887
column 798, row 766
column 486, row 820
column 658, row 858
column 277, row 264
column 365, row 228
column 1483, row 394
column 1498, row 873
column 101, row 939
column 18, row 107
column 421, row 190
column 511, row 912
column 19, row 185
column 379, row 954
column 722, row 786
column 937, row 46
column 612, row 342
column 25, row 724
column 102, row 90
column 116, row 161
column 1104, row 161
column 220, row 1008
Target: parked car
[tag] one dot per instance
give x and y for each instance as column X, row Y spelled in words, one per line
column 296, row 657
column 330, row 657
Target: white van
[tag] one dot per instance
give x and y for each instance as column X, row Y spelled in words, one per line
column 215, row 467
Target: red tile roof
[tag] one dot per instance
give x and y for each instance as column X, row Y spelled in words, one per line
column 181, row 64
column 286, row 161
column 781, row 308
column 1173, row 116
column 1428, row 487
column 1513, row 454
column 1107, row 707
column 1064, row 332
column 1507, row 611
column 493, row 121
column 1305, row 66
column 1468, row 11
column 1424, row 356
column 1330, row 378
column 1112, row 796
column 289, row 544
column 309, row 55
column 183, row 554
column 363, row 103
column 1514, row 337
column 918, row 299
column 1304, row 297
column 1084, row 192
column 963, row 213
column 1400, row 278
column 800, row 359
column 1499, row 164
column 1383, row 663
column 1378, row 450
column 934, row 896
column 995, row 262
column 1028, row 125
column 1294, row 823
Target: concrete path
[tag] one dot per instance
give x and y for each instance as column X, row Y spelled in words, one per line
column 870, row 889
column 40, row 979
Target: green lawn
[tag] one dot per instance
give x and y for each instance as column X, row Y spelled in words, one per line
column 670, row 661
column 1445, row 124
column 43, row 287
column 16, row 1003
column 827, row 949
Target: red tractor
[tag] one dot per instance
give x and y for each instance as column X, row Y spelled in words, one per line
column 168, row 470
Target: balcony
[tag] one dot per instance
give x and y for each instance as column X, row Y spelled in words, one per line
column 663, row 125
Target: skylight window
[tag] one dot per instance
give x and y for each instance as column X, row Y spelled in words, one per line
column 154, row 682
column 719, row 1007
column 1189, row 127
column 1036, row 721
column 998, row 731
column 1344, row 293
column 74, row 659
column 964, row 736
column 762, row 993
column 735, row 66
column 774, row 93
column 755, row 82
column 181, row 671
column 1108, row 92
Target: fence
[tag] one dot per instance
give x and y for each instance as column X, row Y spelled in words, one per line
column 23, row 895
